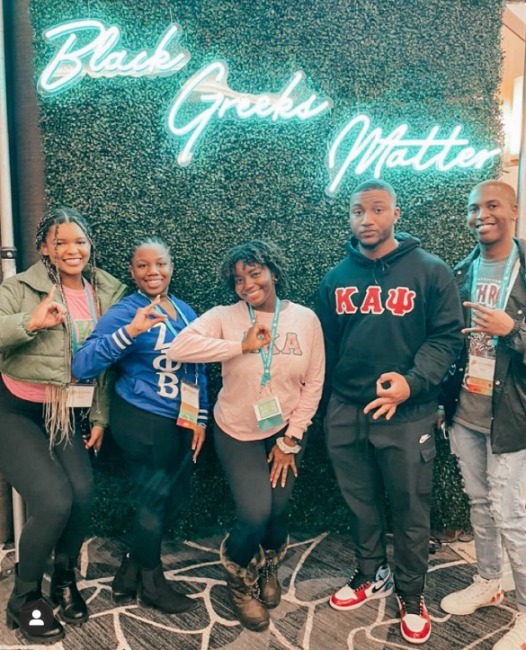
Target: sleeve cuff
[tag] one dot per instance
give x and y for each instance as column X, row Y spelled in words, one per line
column 122, row 339
column 294, row 432
column 415, row 384
column 509, row 338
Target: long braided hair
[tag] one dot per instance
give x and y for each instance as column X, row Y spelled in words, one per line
column 58, row 417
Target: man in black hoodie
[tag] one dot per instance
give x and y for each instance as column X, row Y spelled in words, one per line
column 392, row 322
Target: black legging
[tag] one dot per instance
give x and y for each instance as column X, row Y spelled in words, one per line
column 160, row 456
column 262, row 510
column 57, row 486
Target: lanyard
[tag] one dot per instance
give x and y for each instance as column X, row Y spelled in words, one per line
column 266, row 356
column 172, row 329
column 160, row 310
column 505, row 284
column 93, row 312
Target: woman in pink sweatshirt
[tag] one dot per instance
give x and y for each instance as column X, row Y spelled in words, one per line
column 273, row 362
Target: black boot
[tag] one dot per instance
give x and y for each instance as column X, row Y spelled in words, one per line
column 24, row 592
column 155, row 591
column 64, row 593
column 126, row 582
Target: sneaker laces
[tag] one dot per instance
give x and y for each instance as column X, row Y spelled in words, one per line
column 358, row 580
column 412, row 604
column 479, row 586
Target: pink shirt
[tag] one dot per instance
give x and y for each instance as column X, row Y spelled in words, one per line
column 83, row 325
column 297, row 370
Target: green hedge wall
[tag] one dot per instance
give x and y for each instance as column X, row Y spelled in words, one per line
column 108, row 153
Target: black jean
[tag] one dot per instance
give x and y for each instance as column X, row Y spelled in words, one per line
column 159, row 454
column 56, row 485
column 262, row 511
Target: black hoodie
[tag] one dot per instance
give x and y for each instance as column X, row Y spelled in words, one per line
column 399, row 313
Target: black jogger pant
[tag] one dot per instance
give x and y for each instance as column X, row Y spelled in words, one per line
column 371, row 459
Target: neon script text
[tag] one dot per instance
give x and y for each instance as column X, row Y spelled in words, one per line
column 371, row 150
column 100, row 58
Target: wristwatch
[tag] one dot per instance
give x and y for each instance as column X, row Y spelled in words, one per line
column 287, row 449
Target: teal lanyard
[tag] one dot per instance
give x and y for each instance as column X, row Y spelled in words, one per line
column 506, row 276
column 266, row 356
column 93, row 312
column 160, row 310
column 172, row 329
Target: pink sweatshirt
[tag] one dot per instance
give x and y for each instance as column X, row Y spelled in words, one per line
column 297, row 370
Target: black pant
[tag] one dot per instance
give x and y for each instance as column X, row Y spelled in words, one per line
column 370, row 459
column 262, row 510
column 160, row 457
column 56, row 485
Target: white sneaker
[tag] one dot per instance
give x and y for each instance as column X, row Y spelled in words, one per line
column 415, row 623
column 482, row 593
column 515, row 639
column 361, row 589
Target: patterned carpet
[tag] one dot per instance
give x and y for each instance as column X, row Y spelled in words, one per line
column 314, row 566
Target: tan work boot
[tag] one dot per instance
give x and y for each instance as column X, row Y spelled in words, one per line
column 269, row 587
column 243, row 590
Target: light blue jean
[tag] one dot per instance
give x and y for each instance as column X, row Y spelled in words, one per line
column 496, row 488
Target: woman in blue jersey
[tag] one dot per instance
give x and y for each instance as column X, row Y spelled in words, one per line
column 158, row 416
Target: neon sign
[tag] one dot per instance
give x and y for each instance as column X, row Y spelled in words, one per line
column 372, row 151
column 89, row 48
column 98, row 58
column 210, row 86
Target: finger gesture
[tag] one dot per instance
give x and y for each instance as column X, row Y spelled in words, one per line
column 392, row 389
column 145, row 318
column 47, row 313
column 257, row 337
column 494, row 322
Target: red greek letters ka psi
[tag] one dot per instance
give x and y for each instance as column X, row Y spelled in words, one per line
column 400, row 301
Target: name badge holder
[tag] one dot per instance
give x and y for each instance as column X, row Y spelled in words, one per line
column 268, row 409
column 80, row 395
column 481, row 370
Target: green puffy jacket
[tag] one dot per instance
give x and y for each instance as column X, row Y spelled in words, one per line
column 42, row 356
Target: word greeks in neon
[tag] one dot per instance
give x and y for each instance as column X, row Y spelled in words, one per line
column 89, row 48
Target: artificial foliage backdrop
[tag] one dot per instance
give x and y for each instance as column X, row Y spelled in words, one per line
column 108, row 153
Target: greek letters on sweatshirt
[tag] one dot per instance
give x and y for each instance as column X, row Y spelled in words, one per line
column 146, row 377
column 297, row 369
column 399, row 313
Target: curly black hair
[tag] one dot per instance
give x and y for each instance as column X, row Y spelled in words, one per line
column 253, row 252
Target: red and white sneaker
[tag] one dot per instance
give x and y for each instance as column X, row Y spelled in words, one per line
column 361, row 589
column 415, row 624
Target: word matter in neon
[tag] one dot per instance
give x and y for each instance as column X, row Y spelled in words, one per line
column 372, row 151
column 101, row 58
column 89, row 48
column 207, row 92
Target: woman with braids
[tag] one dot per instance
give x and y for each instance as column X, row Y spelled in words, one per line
column 158, row 417
column 273, row 360
column 46, row 313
